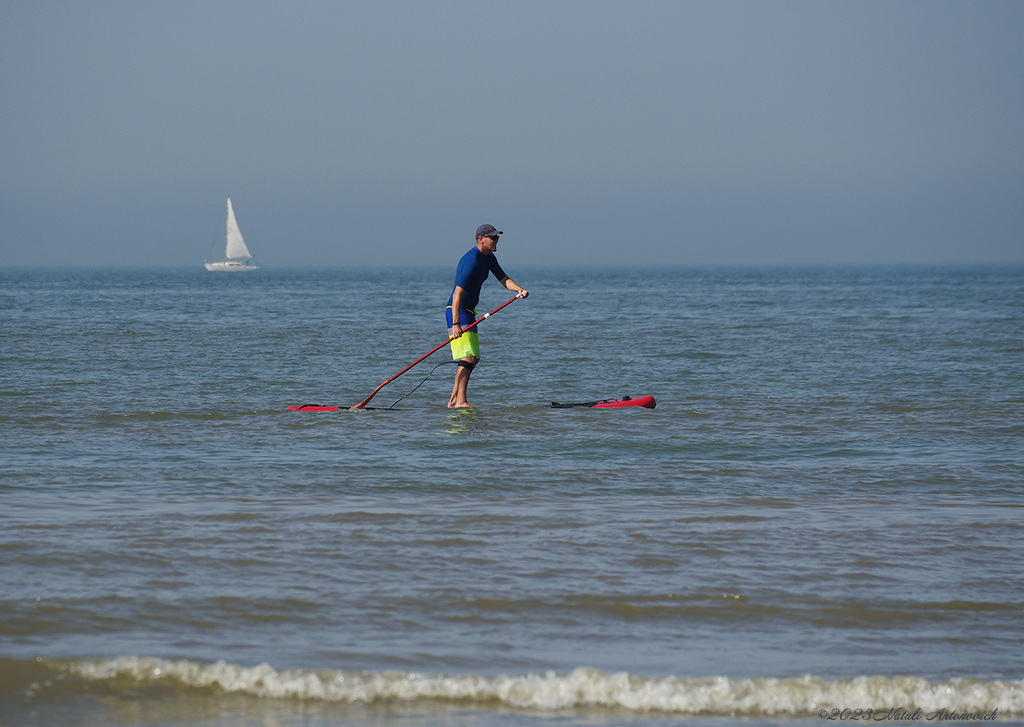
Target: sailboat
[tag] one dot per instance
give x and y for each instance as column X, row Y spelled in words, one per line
column 236, row 254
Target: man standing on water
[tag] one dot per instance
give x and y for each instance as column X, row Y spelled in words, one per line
column 473, row 269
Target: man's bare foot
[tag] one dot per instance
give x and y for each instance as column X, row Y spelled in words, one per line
column 457, row 405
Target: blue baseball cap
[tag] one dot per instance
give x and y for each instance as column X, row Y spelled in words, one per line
column 488, row 231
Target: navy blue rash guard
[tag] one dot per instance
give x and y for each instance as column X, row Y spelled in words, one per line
column 470, row 276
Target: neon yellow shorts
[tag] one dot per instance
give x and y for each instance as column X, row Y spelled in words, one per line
column 468, row 344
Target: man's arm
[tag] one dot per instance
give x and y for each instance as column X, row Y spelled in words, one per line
column 510, row 284
column 456, row 311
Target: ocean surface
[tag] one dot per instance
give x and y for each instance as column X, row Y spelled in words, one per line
column 822, row 520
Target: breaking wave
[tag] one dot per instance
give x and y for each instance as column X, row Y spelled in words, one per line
column 583, row 688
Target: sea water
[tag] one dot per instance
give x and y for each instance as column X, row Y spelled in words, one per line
column 823, row 519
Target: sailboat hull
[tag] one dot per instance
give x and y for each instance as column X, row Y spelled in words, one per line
column 231, row 266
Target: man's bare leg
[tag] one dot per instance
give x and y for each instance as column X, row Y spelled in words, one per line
column 461, row 385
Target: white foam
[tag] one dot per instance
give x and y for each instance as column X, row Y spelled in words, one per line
column 582, row 688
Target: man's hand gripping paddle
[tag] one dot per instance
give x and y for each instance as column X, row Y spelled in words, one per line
column 485, row 316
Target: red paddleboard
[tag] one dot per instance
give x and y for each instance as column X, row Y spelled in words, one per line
column 322, row 407
column 647, row 402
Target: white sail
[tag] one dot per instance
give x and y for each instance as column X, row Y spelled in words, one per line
column 237, row 255
column 236, row 245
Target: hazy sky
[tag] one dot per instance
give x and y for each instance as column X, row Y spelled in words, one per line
column 626, row 132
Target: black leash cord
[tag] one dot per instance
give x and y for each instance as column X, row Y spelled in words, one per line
column 422, row 382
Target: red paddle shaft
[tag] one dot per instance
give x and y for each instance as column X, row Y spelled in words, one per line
column 366, row 401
